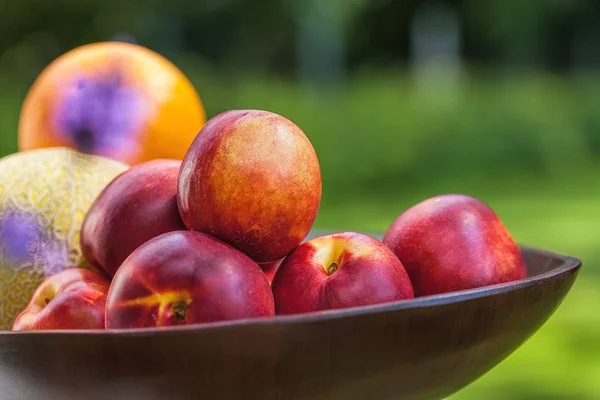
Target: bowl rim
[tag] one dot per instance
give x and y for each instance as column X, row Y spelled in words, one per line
column 569, row 266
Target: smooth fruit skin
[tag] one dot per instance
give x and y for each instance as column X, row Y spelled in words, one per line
column 340, row 270
column 44, row 196
column 270, row 268
column 184, row 278
column 114, row 99
column 71, row 299
column 252, row 179
column 136, row 206
column 454, row 242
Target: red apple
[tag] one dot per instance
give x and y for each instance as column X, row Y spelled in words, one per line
column 139, row 204
column 270, row 268
column 183, row 278
column 454, row 242
column 252, row 179
column 71, row 299
column 340, row 270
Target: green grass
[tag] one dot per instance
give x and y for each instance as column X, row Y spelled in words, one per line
column 561, row 361
column 559, row 214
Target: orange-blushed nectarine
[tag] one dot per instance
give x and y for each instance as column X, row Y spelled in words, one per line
column 252, row 179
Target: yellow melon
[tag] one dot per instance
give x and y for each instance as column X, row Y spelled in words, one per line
column 44, row 196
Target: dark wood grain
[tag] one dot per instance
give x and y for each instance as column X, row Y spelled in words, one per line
column 425, row 348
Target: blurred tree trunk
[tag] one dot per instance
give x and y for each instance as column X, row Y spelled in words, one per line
column 322, row 27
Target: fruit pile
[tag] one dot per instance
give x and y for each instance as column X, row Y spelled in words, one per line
column 220, row 234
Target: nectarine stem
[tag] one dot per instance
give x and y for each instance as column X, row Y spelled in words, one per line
column 46, row 301
column 179, row 310
column 332, row 268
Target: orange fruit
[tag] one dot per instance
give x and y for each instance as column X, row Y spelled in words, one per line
column 113, row 99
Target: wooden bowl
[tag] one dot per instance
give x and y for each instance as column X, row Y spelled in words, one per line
column 426, row 348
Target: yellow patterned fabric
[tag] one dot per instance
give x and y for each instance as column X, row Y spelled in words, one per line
column 44, row 196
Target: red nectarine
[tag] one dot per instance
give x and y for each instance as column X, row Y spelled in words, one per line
column 73, row 298
column 454, row 242
column 186, row 277
column 139, row 204
column 337, row 271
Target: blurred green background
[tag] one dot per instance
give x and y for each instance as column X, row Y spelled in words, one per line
column 402, row 100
